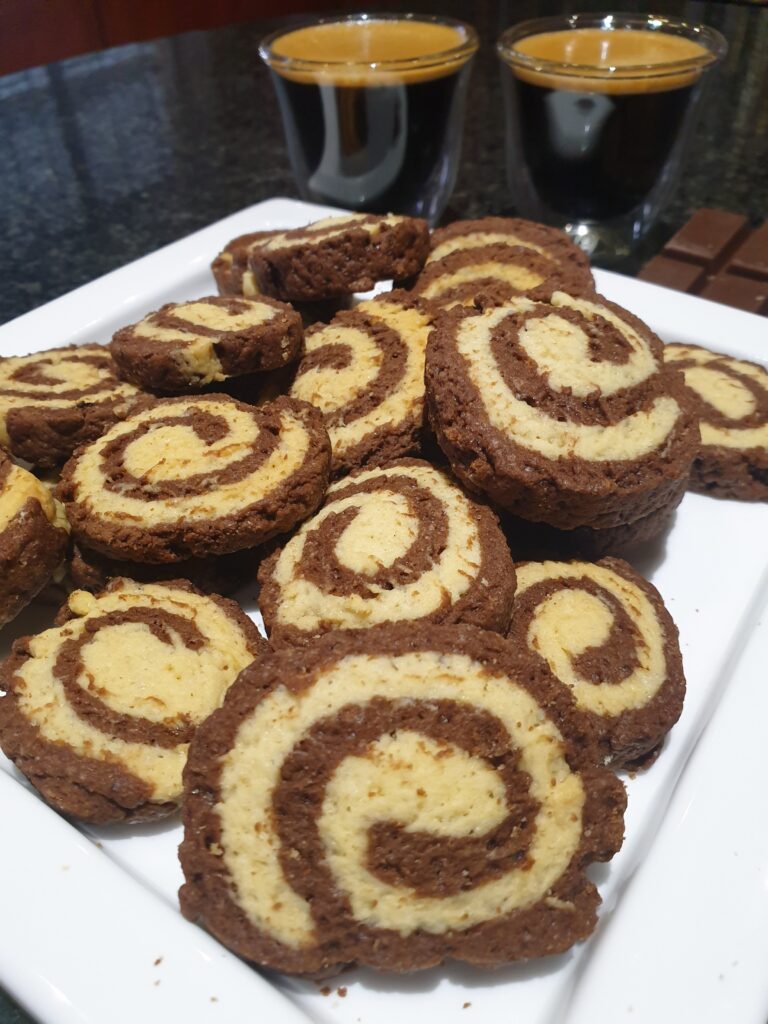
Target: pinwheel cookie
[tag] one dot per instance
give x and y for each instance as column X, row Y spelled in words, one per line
column 394, row 797
column 365, row 372
column 193, row 477
column 337, row 256
column 491, row 274
column 186, row 345
column 33, row 537
column 401, row 543
column 99, row 711
column 230, row 268
column 561, row 412
column 51, row 402
column 555, row 245
column 731, row 399
column 607, row 638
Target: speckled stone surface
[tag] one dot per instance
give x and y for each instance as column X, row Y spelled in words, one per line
column 109, row 156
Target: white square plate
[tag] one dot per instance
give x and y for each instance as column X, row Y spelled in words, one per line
column 89, row 925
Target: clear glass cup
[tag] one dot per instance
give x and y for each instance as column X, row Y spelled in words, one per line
column 373, row 107
column 595, row 137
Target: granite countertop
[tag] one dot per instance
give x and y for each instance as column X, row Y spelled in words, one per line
column 108, row 156
column 111, row 155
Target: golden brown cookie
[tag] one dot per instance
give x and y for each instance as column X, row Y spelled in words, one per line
column 365, row 372
column 561, row 412
column 99, row 711
column 731, row 398
column 193, row 477
column 186, row 345
column 393, row 797
column 398, row 544
column 50, row 402
column 606, row 636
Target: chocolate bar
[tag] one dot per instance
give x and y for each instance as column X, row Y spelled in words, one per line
column 719, row 256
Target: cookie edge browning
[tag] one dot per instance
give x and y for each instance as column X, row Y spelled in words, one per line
column 290, row 273
column 629, row 739
column 620, row 499
column 84, row 788
column 251, row 526
column 205, row 897
column 154, row 366
column 493, row 614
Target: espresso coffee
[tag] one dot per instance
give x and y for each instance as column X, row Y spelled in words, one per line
column 596, row 142
column 372, row 111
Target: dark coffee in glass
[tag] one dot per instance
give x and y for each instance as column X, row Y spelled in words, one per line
column 373, row 108
column 598, row 108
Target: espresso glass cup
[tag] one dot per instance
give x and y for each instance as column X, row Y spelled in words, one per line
column 373, row 107
column 598, row 109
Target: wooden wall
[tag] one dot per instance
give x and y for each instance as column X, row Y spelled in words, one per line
column 36, row 32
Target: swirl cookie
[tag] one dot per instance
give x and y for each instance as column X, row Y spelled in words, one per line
column 402, row 543
column 193, row 477
column 53, row 401
column 495, row 259
column 99, row 711
column 561, row 412
column 512, row 231
column 365, row 372
column 606, row 636
column 393, row 797
column 731, row 398
column 337, row 256
column 33, row 537
column 186, row 345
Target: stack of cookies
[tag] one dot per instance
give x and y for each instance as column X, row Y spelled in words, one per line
column 418, row 764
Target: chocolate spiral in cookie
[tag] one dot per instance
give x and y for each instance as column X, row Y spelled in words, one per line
column 606, row 636
column 33, row 537
column 365, row 372
column 200, row 476
column 99, row 711
column 51, row 402
column 731, row 398
column 187, row 345
column 336, row 255
column 511, row 231
column 401, row 543
column 492, row 274
column 230, row 267
column 393, row 797
column 562, row 412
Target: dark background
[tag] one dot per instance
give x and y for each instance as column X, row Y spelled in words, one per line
column 110, row 155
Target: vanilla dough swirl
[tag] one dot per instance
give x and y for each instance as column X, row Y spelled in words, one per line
column 731, row 398
column 187, row 345
column 562, row 412
column 393, row 797
column 365, row 372
column 195, row 477
column 52, row 401
column 607, row 638
column 400, row 543
column 100, row 709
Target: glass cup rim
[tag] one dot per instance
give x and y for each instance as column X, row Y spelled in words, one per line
column 713, row 42
column 462, row 52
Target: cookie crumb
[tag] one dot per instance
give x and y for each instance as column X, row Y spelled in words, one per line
column 466, row 1006
column 325, row 990
column 158, row 961
column 341, row 992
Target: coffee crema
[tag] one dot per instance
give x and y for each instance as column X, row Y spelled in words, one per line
column 614, row 61
column 343, row 52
